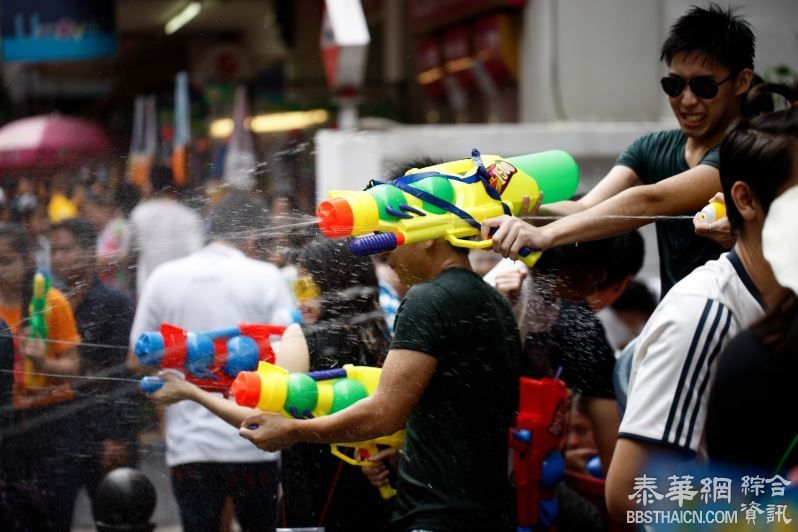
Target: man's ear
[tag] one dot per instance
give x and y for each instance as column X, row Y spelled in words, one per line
column 743, row 81
column 745, row 200
column 616, row 289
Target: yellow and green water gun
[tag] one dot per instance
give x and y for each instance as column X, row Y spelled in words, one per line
column 447, row 201
column 37, row 323
column 318, row 393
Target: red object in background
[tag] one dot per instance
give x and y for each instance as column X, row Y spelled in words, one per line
column 426, row 15
column 429, row 67
column 228, row 63
column 50, row 141
column 329, row 56
column 541, row 415
column 496, row 47
column 457, row 56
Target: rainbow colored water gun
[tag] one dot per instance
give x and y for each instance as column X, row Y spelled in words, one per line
column 211, row 359
column 537, row 463
column 448, row 201
column 37, row 311
column 314, row 394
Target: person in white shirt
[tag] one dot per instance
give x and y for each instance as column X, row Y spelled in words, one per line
column 215, row 287
column 676, row 355
column 163, row 229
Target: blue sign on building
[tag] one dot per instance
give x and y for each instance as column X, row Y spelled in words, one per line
column 44, row 30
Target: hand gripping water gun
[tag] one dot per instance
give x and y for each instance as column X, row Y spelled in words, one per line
column 537, row 463
column 448, row 201
column 37, row 311
column 715, row 210
column 211, row 359
column 314, row 394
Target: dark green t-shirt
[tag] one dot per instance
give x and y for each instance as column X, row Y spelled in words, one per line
column 655, row 157
column 453, row 472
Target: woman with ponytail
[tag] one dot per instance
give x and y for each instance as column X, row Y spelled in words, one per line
column 751, row 421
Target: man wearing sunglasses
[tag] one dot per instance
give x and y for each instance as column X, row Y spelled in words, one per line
column 710, row 54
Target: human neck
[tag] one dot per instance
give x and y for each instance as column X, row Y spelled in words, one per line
column 696, row 147
column 749, row 250
column 448, row 262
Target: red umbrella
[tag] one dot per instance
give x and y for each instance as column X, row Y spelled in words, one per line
column 49, row 141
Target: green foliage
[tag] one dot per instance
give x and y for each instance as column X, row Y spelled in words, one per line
column 780, row 74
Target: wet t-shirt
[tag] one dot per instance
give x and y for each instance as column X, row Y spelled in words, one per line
column 453, row 472
column 655, row 157
column 577, row 346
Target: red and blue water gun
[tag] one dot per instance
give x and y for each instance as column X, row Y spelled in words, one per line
column 210, row 359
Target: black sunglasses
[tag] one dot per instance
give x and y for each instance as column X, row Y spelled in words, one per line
column 702, row 86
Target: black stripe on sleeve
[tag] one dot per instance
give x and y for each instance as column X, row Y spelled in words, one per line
column 721, row 341
column 686, row 370
column 692, row 398
column 688, row 453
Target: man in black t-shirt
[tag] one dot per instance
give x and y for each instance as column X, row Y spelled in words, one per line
column 451, row 378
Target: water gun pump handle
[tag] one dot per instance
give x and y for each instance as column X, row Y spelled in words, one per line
column 376, row 243
column 150, row 384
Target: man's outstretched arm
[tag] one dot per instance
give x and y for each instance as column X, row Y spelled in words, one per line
column 616, row 181
column 404, row 378
column 628, row 210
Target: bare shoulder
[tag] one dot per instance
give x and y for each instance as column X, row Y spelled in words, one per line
column 292, row 353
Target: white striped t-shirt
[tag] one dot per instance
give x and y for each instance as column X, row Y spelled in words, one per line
column 677, row 351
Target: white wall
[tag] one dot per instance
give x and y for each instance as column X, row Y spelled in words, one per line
column 599, row 59
column 607, row 58
column 586, row 60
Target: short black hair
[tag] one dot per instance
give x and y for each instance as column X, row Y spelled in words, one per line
column 627, row 252
column 577, row 262
column 760, row 152
column 81, row 229
column 348, row 283
column 460, row 250
column 162, row 179
column 636, row 298
column 757, row 101
column 715, row 33
column 126, row 196
column 237, row 217
column 21, row 243
column 16, row 235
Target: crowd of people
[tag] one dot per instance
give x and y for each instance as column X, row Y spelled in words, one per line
column 453, row 332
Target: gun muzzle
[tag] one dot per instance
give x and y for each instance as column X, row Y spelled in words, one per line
column 246, row 388
column 335, row 217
